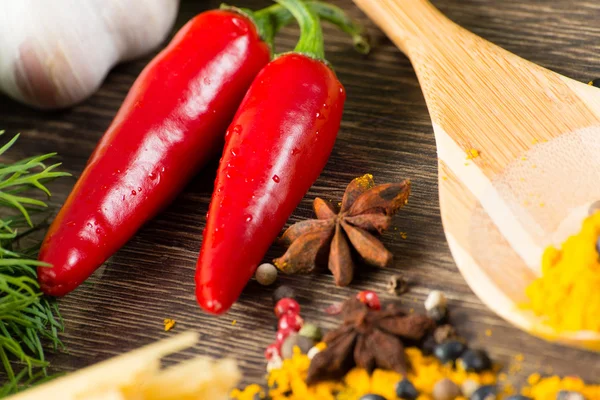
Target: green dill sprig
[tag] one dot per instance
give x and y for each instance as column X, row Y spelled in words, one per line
column 28, row 319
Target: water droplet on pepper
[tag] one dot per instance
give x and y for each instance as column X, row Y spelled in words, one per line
column 240, row 25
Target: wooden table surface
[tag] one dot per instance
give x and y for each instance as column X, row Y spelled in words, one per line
column 386, row 132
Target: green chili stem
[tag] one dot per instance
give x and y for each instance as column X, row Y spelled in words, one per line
column 270, row 20
column 338, row 17
column 311, row 34
column 327, row 12
column 266, row 26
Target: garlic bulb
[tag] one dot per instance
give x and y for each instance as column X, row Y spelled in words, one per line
column 55, row 53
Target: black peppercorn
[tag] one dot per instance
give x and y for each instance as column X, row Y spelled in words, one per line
column 406, row 390
column 283, row 292
column 475, row 361
column 449, row 351
column 487, row 392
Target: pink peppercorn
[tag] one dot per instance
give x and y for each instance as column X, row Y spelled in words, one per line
column 290, row 321
column 287, row 306
column 271, row 351
column 282, row 335
column 369, row 298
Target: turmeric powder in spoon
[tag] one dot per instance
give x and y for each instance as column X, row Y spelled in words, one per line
column 567, row 295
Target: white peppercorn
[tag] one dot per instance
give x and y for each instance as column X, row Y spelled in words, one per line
column 266, row 274
column 436, row 305
column 445, row 389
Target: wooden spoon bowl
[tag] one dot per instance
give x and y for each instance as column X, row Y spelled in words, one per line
column 518, row 150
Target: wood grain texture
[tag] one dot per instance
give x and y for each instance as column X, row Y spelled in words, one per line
column 386, row 132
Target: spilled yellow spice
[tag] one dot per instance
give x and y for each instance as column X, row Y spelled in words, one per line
column 365, row 182
column 548, row 388
column 250, row 392
column 320, row 346
column 519, row 357
column 472, row 153
column 288, row 381
column 426, row 371
column 567, row 294
column 169, row 324
column 516, row 364
column 534, row 379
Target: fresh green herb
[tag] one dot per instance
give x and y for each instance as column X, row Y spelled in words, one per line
column 28, row 320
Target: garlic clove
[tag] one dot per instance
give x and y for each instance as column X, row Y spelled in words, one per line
column 56, row 56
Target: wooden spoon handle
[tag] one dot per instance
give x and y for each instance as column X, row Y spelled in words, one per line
column 410, row 24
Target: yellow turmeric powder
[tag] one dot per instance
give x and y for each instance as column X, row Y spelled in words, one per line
column 549, row 387
column 472, row 154
column 567, row 295
column 288, row 382
column 169, row 324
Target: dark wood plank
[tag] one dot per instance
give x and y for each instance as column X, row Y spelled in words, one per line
column 386, row 132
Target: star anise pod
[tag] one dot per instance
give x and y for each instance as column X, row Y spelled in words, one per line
column 366, row 210
column 368, row 339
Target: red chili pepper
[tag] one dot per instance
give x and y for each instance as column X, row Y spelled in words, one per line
column 276, row 147
column 171, row 123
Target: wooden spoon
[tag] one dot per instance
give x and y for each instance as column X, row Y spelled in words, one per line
column 538, row 167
